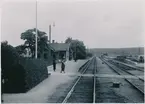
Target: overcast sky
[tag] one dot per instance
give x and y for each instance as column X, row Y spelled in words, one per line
column 99, row 23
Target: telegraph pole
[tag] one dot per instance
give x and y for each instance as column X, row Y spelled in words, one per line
column 36, row 34
column 49, row 33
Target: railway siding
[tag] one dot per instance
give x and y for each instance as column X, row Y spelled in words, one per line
column 138, row 84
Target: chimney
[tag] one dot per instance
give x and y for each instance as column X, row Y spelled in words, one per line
column 53, row 41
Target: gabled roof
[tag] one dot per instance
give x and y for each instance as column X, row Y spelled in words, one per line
column 59, row 46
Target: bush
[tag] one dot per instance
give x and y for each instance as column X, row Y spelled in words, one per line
column 20, row 74
column 89, row 54
column 12, row 71
column 9, row 57
column 81, row 56
column 35, row 71
column 141, row 59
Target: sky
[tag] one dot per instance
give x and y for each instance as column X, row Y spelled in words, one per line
column 98, row 23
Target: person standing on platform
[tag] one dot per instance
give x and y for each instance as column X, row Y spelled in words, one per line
column 54, row 63
column 62, row 67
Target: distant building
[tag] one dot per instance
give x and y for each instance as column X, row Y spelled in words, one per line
column 60, row 50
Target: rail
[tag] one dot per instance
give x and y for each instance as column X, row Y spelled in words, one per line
column 142, row 92
column 72, row 89
column 130, row 66
column 94, row 93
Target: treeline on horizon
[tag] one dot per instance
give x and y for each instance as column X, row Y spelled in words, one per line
column 119, row 51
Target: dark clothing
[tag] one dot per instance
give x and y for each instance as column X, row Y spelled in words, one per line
column 54, row 65
column 62, row 67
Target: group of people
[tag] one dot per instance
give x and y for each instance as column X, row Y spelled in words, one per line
column 62, row 65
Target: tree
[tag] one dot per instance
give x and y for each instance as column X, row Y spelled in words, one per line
column 29, row 37
column 78, row 48
column 68, row 40
column 21, row 49
column 4, row 43
column 89, row 54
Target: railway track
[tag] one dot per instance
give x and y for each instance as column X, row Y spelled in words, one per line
column 129, row 72
column 136, row 83
column 83, row 90
column 128, row 66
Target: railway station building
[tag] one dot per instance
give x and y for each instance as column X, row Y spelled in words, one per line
column 60, row 50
